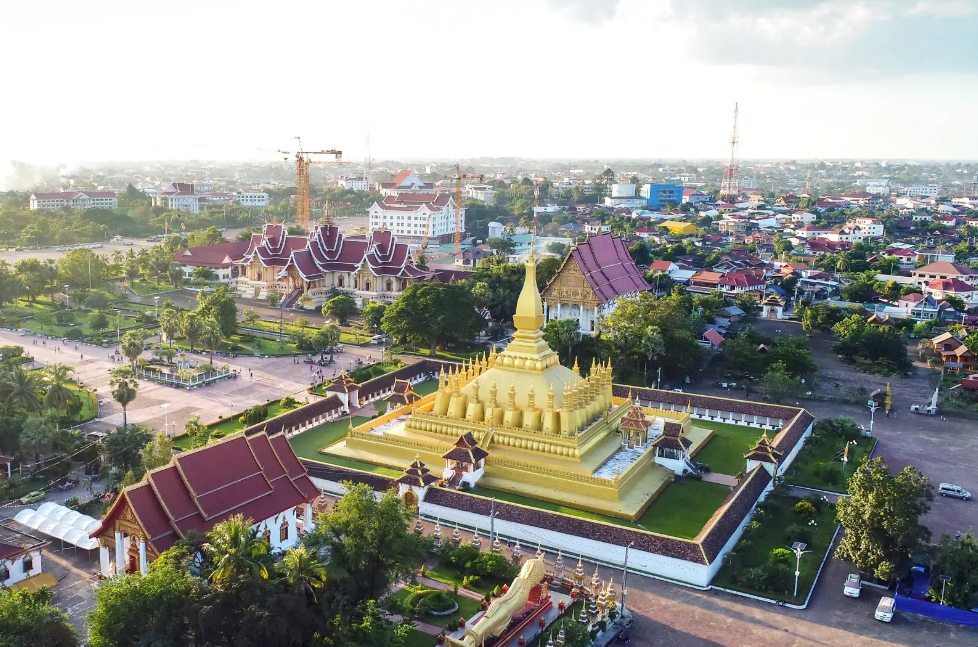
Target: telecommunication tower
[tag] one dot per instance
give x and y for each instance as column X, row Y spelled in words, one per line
column 730, row 183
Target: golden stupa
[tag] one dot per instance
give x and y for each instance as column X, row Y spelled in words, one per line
column 520, row 422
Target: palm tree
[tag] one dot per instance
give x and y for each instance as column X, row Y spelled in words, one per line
column 211, row 335
column 174, row 273
column 124, row 388
column 58, row 397
column 169, row 323
column 302, row 569
column 21, row 389
column 37, row 437
column 236, row 549
column 192, row 327
column 132, row 346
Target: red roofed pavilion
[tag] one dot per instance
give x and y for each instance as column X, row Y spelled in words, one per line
column 257, row 476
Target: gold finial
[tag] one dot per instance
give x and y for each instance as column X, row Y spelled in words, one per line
column 351, row 422
column 577, row 369
column 689, row 405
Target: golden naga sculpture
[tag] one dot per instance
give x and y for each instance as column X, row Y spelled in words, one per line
column 503, row 608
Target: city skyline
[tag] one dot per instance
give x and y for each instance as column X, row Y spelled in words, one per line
column 545, row 79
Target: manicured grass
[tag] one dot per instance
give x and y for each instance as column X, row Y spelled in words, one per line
column 725, row 451
column 547, row 505
column 456, row 353
column 81, row 323
column 308, row 443
column 147, row 287
column 425, row 388
column 682, row 510
column 245, row 345
column 356, row 465
column 447, row 575
column 757, row 550
column 417, row 638
column 467, row 607
column 230, row 425
column 89, row 403
column 803, row 468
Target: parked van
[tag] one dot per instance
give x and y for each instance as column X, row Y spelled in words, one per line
column 853, row 585
column 885, row 609
column 956, row 491
column 378, row 339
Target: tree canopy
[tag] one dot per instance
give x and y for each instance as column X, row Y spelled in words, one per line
column 432, row 314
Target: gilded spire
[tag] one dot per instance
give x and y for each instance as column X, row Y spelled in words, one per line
column 530, row 404
column 511, row 403
column 577, row 369
column 492, row 394
column 550, row 397
column 529, row 306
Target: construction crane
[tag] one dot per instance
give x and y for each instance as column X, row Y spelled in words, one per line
column 730, row 183
column 459, row 176
column 303, row 160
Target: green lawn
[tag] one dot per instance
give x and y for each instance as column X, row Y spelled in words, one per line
column 806, row 471
column 246, row 345
column 725, row 451
column 425, row 388
column 447, row 575
column 229, row 425
column 457, row 353
column 417, row 638
column 89, row 403
column 756, row 551
column 148, row 287
column 356, row 465
column 467, row 607
column 308, row 443
column 682, row 510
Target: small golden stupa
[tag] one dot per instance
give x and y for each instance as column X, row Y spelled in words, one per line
column 520, row 422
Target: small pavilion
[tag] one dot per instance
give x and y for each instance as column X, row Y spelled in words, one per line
column 466, row 461
column 402, row 395
column 635, row 427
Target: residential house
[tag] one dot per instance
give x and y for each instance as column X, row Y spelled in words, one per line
column 677, row 227
column 220, row 258
column 921, row 307
column 943, row 288
column 944, row 270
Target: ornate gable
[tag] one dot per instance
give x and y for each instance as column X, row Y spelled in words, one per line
column 569, row 286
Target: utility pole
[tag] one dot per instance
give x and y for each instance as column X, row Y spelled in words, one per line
column 624, row 578
column 492, row 521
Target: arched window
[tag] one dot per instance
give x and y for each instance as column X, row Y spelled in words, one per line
column 366, row 286
column 283, row 531
column 390, row 285
column 340, row 282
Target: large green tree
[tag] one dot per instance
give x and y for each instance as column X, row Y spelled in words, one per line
column 124, row 387
column 30, row 620
column 33, row 277
column 192, row 327
column 956, row 558
column 881, row 518
column 373, row 314
column 369, row 542
column 342, row 307
column 220, row 305
column 431, row 314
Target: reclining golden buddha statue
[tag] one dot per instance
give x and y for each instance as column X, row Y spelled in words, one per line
column 501, row 611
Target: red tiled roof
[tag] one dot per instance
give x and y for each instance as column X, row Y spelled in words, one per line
column 608, row 268
column 943, row 267
column 661, row 266
column 254, row 475
column 220, row 255
column 713, row 336
column 951, row 285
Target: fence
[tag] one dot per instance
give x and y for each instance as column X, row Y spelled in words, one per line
column 175, row 379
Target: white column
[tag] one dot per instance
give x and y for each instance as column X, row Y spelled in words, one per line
column 103, row 558
column 120, row 554
column 307, row 523
column 143, row 567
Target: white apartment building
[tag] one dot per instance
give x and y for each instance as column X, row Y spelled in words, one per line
column 481, row 192
column 922, row 190
column 623, row 190
column 355, row 183
column 251, row 198
column 416, row 214
column 877, row 187
column 868, row 227
column 74, row 200
column 803, row 217
column 747, row 183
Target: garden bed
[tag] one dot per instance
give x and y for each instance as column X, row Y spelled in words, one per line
column 819, row 465
column 749, row 568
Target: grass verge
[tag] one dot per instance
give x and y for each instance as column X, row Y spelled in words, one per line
column 725, row 451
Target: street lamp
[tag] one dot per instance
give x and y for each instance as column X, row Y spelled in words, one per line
column 624, row 578
column 166, row 417
column 944, row 580
column 67, row 298
column 798, row 548
column 873, row 406
column 156, row 302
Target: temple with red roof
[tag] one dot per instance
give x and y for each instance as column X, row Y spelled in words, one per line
column 368, row 268
column 257, row 476
column 593, row 276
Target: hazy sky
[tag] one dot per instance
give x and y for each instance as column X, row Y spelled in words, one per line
column 124, row 79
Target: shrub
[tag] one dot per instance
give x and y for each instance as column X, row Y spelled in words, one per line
column 254, row 415
column 288, row 402
column 798, row 532
column 776, row 576
column 74, row 333
column 64, row 317
column 781, row 556
column 10, row 352
column 491, row 565
column 805, row 510
column 462, row 557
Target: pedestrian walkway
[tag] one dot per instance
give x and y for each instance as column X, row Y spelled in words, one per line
column 722, row 479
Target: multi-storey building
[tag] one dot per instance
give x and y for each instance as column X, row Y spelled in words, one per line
column 355, row 183
column 74, row 200
column 481, row 192
column 920, row 190
column 657, row 196
column 877, row 187
column 406, row 182
column 416, row 214
column 251, row 198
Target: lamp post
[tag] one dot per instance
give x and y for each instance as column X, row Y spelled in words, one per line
column 798, row 548
column 944, row 580
column 156, row 305
column 872, row 411
column 624, row 578
column 67, row 298
column 166, row 417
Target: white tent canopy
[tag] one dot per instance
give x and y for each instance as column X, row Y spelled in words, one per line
column 62, row 523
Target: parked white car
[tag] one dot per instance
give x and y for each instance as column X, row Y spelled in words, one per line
column 853, row 585
column 885, row 609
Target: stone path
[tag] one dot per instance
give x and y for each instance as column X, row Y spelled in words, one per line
column 722, row 479
column 435, row 584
